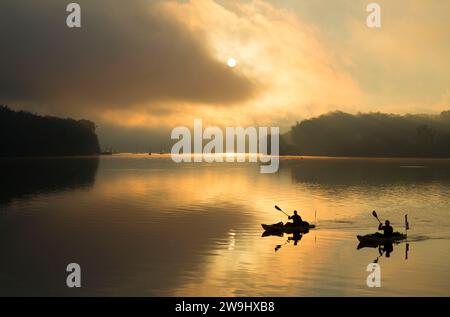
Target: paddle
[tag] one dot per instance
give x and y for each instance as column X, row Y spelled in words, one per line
column 374, row 213
column 278, row 208
column 279, row 246
column 378, row 257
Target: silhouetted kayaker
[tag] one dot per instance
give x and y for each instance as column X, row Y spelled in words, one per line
column 296, row 219
column 387, row 229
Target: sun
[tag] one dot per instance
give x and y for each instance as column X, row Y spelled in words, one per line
column 231, row 62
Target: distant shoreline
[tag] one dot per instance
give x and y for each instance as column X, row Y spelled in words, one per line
column 168, row 155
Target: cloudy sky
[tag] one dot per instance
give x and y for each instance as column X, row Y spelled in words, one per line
column 139, row 68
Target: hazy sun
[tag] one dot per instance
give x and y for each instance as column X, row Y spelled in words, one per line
column 231, row 62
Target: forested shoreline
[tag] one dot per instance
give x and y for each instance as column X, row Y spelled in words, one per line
column 336, row 133
column 370, row 135
column 25, row 134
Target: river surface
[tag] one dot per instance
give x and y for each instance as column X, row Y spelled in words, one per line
column 141, row 225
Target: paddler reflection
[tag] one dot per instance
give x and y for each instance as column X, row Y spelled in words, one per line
column 295, row 237
column 386, row 250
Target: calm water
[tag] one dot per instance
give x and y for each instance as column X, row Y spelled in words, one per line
column 141, row 225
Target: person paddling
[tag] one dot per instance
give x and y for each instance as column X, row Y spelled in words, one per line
column 296, row 219
column 387, row 229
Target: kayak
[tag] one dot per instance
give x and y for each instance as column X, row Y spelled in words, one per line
column 378, row 238
column 280, row 227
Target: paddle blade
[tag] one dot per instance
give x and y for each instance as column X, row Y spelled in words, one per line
column 374, row 213
column 277, row 208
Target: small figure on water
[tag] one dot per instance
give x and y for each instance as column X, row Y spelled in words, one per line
column 296, row 219
column 387, row 229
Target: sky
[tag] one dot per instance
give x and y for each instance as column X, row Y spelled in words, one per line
column 140, row 68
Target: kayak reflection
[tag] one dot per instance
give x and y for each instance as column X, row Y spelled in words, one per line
column 385, row 249
column 294, row 236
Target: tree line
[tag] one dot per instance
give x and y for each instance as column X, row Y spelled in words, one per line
column 370, row 134
column 26, row 134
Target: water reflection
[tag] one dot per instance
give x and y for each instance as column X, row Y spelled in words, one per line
column 295, row 237
column 141, row 225
column 353, row 171
column 21, row 178
column 383, row 249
